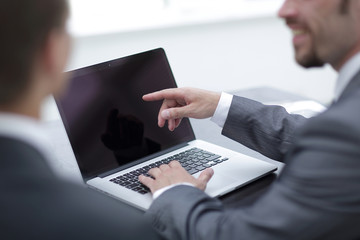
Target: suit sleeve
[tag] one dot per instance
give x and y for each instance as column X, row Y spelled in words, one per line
column 316, row 197
column 263, row 128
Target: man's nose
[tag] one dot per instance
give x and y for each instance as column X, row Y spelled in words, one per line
column 288, row 9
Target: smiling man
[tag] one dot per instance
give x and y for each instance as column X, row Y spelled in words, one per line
column 317, row 195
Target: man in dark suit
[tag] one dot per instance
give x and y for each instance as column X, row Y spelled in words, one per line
column 34, row 203
column 317, row 195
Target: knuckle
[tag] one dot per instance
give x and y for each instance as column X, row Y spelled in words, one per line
column 163, row 166
column 174, row 163
column 173, row 113
column 153, row 170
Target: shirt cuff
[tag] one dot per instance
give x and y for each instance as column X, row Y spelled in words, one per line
column 160, row 191
column 222, row 109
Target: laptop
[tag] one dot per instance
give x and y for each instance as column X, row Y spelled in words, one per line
column 115, row 136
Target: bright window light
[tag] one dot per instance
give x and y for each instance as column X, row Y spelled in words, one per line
column 91, row 17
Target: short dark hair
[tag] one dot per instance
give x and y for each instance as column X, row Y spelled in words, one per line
column 24, row 27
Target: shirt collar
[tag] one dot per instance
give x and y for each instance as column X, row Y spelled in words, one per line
column 346, row 73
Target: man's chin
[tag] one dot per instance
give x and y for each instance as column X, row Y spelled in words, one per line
column 310, row 62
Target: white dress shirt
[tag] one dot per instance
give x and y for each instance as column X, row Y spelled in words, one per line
column 346, row 73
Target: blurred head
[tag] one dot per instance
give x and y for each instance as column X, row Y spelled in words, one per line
column 34, row 46
column 324, row 31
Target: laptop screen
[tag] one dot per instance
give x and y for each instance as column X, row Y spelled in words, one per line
column 108, row 123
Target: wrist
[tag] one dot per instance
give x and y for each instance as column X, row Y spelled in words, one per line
column 215, row 98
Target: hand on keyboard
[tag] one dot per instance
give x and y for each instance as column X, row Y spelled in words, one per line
column 173, row 173
column 192, row 160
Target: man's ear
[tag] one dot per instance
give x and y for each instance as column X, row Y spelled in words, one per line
column 54, row 58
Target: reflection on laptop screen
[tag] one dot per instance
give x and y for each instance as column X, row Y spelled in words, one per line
column 107, row 121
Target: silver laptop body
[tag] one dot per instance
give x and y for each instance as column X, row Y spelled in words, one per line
column 115, row 137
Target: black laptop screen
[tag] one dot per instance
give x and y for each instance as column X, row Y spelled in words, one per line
column 108, row 123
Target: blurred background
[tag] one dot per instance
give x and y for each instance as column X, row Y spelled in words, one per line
column 221, row 45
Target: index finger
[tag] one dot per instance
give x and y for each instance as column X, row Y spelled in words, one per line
column 170, row 93
column 148, row 182
column 175, row 164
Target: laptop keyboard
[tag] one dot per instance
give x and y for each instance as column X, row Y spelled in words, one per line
column 193, row 160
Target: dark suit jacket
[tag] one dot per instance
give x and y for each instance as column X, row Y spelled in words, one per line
column 34, row 204
column 317, row 196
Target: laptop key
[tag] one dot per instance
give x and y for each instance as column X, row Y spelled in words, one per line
column 134, row 185
column 184, row 165
column 138, row 172
column 213, row 157
column 200, row 168
column 187, row 168
column 192, row 171
column 144, row 187
column 212, row 163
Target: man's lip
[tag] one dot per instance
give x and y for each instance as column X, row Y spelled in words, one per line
column 299, row 37
column 297, row 29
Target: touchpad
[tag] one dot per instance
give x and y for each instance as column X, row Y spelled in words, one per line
column 219, row 184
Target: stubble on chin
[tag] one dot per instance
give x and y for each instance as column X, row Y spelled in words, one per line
column 309, row 59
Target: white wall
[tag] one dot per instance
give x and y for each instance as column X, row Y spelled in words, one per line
column 218, row 56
